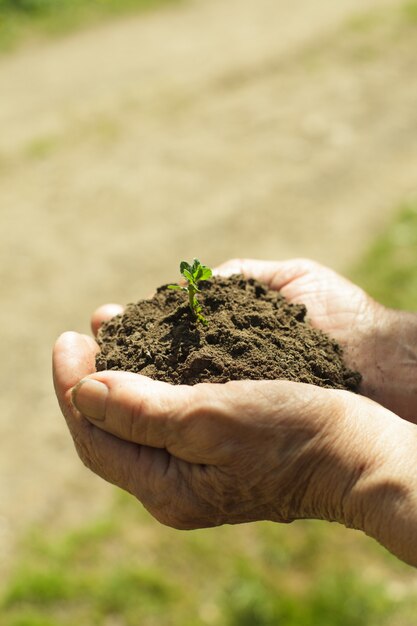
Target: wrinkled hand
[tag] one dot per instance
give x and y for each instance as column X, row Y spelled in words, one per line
column 210, row 454
column 250, row 450
column 244, row 451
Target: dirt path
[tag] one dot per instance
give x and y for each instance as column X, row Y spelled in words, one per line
column 215, row 129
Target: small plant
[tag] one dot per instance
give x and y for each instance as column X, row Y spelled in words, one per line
column 193, row 274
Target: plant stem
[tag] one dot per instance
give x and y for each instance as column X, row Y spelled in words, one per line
column 191, row 298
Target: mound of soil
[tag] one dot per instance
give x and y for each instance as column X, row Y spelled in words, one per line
column 252, row 333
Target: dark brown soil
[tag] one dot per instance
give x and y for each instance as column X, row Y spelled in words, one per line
column 252, row 333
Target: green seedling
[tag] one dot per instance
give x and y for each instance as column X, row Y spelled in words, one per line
column 193, row 274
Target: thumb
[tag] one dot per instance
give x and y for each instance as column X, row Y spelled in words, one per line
column 141, row 410
column 206, row 423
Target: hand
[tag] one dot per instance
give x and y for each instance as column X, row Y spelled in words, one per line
column 244, row 451
column 378, row 342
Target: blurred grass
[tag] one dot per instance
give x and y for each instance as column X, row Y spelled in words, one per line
column 410, row 10
column 389, row 269
column 126, row 570
column 28, row 20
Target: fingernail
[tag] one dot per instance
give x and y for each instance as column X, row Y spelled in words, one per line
column 90, row 397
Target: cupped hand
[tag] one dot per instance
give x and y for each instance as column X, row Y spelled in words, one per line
column 211, row 454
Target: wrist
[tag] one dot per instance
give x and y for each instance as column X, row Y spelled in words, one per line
column 383, row 500
column 390, row 376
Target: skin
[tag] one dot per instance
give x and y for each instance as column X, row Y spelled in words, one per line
column 262, row 450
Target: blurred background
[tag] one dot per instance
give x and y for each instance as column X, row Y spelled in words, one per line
column 134, row 134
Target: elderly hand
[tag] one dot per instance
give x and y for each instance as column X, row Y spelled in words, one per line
column 248, row 450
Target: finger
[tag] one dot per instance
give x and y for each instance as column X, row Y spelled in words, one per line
column 134, row 407
column 132, row 467
column 166, row 486
column 73, row 358
column 195, row 424
column 104, row 314
column 202, row 424
column 276, row 274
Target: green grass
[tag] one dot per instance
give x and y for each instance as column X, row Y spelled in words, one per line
column 27, row 20
column 389, row 270
column 410, row 11
column 128, row 570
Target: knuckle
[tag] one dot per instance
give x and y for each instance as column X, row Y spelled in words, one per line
column 306, row 261
column 181, row 523
column 180, row 507
column 306, row 265
column 83, row 447
column 214, row 494
column 189, row 413
column 195, row 407
column 148, row 417
column 137, row 422
column 172, row 514
column 90, row 455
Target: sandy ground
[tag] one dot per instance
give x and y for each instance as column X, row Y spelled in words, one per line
column 216, row 129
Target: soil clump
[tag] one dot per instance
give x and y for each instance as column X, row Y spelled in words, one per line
column 252, row 333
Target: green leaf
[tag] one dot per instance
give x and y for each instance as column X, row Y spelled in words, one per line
column 196, row 265
column 188, row 276
column 193, row 274
column 201, row 272
column 197, row 273
column 185, row 266
column 206, row 273
column 177, row 288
